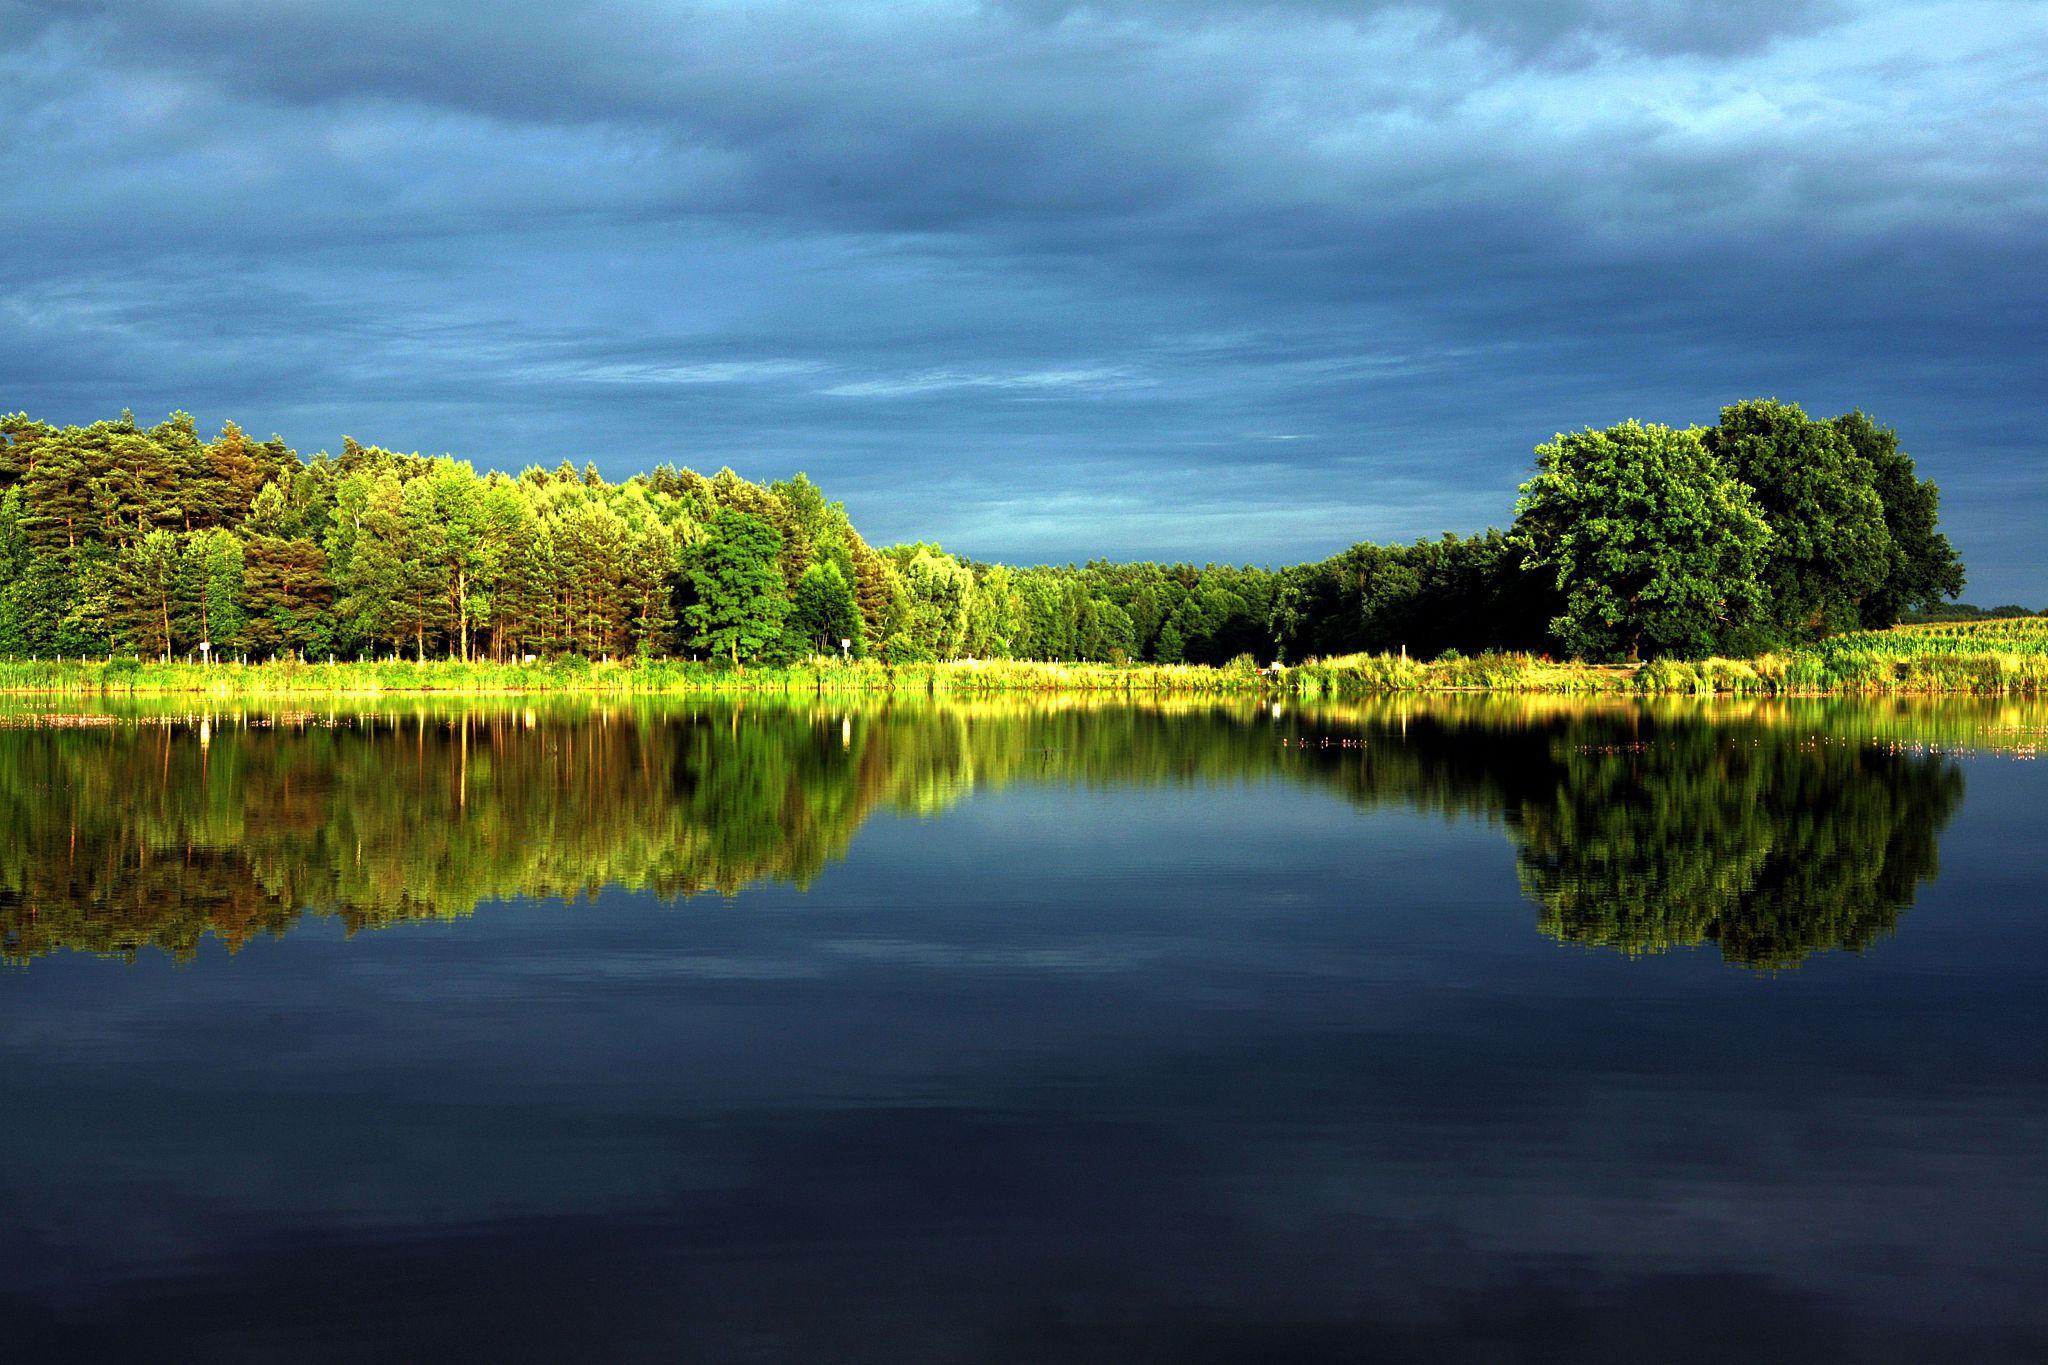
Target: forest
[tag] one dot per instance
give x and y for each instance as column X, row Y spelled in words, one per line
column 1766, row 530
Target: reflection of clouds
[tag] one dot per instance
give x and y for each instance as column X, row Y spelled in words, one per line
column 1093, row 956
column 513, row 977
column 1484, row 1160
column 517, row 977
column 651, row 967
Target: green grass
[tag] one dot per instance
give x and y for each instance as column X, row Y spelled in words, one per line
column 1982, row 658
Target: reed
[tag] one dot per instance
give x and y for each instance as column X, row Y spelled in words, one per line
column 1979, row 658
column 129, row 677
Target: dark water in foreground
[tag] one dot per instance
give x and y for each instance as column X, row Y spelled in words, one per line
column 1025, row 1031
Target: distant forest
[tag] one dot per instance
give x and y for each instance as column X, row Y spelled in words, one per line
column 1943, row 612
column 1766, row 529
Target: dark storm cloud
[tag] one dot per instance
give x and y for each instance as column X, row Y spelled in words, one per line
column 1044, row 279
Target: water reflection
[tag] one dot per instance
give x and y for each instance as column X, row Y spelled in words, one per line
column 1768, row 831
column 1768, row 847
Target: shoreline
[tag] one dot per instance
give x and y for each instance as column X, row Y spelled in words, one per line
column 1802, row 674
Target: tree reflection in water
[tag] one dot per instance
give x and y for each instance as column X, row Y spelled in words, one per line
column 1769, row 831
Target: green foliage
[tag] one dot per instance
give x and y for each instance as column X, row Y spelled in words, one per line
column 1993, row 658
column 937, row 592
column 212, row 593
column 1997, row 656
column 22, row 617
column 1829, row 547
column 1653, row 544
column 1467, row 593
column 1966, row 611
column 825, row 612
column 737, row 602
column 114, row 537
column 287, row 593
column 147, row 573
column 1921, row 566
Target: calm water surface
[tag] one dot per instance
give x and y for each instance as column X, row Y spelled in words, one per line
column 1017, row 1030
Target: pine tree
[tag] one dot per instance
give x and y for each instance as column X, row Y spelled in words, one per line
column 877, row 590
column 288, row 595
column 146, row 582
column 22, row 618
column 57, row 495
column 466, row 555
column 138, row 487
column 232, row 474
column 20, row 443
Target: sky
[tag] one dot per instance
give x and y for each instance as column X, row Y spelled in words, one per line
column 1043, row 281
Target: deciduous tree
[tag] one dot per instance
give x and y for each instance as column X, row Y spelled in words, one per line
column 736, row 587
column 1652, row 542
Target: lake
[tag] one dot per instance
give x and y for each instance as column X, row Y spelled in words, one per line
column 1027, row 1029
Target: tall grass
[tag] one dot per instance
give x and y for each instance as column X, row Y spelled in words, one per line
column 1354, row 674
column 286, row 678
column 1983, row 658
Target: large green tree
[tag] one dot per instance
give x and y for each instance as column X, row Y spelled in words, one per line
column 824, row 611
column 288, row 595
column 211, row 593
column 1830, row 548
column 373, row 563
column 146, row 586
column 1922, row 567
column 938, row 590
column 21, row 617
column 1655, row 547
column 736, row 588
column 467, row 556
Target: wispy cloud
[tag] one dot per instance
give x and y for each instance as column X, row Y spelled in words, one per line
column 1082, row 380
column 708, row 372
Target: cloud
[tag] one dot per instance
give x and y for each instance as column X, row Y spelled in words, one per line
column 1080, row 379
column 973, row 247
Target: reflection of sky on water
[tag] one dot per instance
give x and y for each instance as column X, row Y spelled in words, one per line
column 1057, row 1072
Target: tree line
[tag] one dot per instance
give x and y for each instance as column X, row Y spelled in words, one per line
column 1767, row 529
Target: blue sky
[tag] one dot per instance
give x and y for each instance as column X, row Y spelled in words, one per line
column 1041, row 280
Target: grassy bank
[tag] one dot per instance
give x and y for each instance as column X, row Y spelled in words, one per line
column 1992, row 658
column 1985, row 658
column 128, row 677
